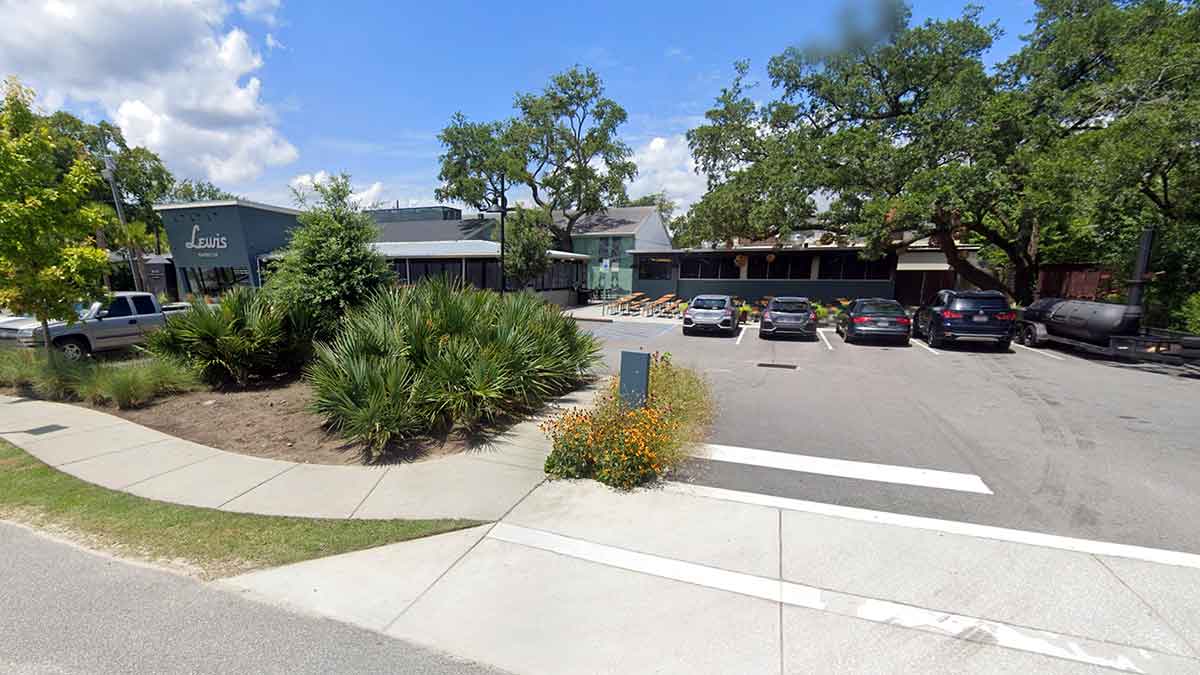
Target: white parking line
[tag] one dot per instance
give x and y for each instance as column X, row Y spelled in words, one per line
column 1039, row 351
column 922, row 345
column 821, row 332
column 1154, row 555
column 741, row 334
column 825, row 466
column 959, row 626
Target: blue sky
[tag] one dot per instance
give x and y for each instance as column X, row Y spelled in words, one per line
column 256, row 93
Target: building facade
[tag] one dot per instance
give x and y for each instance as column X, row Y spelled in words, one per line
column 820, row 272
column 219, row 245
column 609, row 240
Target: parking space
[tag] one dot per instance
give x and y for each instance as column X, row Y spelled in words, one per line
column 1064, row 444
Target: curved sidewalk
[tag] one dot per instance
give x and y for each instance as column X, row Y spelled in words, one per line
column 481, row 484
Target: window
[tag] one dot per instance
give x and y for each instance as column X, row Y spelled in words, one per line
column 727, row 268
column 831, row 266
column 475, row 273
column 972, row 304
column 118, row 307
column 708, row 303
column 694, row 268
column 143, row 304
column 789, row 306
column 880, row 308
column 651, row 268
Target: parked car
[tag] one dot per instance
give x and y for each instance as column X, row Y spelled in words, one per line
column 966, row 315
column 874, row 318
column 122, row 321
column 788, row 316
column 711, row 313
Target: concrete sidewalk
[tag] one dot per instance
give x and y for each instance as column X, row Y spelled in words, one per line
column 482, row 483
column 581, row 579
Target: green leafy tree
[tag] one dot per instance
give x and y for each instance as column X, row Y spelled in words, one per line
column 329, row 265
column 141, row 177
column 47, row 261
column 575, row 163
column 191, row 190
column 481, row 162
column 527, row 238
column 562, row 146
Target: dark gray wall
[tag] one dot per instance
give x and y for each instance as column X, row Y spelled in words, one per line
column 248, row 233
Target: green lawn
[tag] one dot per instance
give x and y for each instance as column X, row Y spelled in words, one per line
column 215, row 542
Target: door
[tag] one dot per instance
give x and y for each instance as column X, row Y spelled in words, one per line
column 146, row 314
column 115, row 326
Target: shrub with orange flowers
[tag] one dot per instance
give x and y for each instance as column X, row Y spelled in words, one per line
column 625, row 447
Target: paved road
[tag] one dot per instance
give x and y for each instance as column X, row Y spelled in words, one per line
column 63, row 610
column 1067, row 445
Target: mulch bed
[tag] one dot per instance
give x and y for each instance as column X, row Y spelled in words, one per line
column 270, row 421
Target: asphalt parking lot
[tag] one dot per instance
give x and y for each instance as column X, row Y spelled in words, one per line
column 1037, row 440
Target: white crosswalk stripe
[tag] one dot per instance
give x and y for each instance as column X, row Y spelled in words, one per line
column 883, row 473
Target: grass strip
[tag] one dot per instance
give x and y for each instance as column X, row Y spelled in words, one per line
column 210, row 542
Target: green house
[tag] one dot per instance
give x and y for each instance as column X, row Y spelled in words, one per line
column 608, row 237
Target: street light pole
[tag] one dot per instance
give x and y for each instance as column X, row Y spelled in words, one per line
column 109, row 174
column 503, row 210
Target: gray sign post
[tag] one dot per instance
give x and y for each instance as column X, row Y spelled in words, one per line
column 635, row 378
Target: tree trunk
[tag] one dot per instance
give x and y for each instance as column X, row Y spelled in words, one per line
column 46, row 337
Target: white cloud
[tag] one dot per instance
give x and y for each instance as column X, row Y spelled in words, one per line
column 365, row 198
column 368, row 196
column 273, row 43
column 678, row 53
column 665, row 164
column 169, row 72
column 263, row 10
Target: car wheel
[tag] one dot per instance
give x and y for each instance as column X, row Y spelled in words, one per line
column 686, row 331
column 847, row 337
column 73, row 348
column 931, row 337
column 1004, row 345
column 763, row 335
column 904, row 342
column 1029, row 335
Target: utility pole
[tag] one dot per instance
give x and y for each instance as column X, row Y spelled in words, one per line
column 503, row 211
column 109, row 174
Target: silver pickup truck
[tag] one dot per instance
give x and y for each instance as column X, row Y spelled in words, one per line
column 122, row 321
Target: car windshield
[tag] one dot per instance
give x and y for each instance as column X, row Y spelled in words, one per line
column 881, row 308
column 708, row 303
column 790, row 306
column 975, row 304
column 81, row 310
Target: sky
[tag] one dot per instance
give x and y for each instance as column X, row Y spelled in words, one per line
column 261, row 95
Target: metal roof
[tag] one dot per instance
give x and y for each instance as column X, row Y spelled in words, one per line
column 460, row 248
column 618, row 220
column 228, row 202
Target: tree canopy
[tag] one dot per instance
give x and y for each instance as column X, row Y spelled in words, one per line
column 562, row 146
column 48, row 262
column 910, row 136
column 192, row 190
column 329, row 266
column 526, row 241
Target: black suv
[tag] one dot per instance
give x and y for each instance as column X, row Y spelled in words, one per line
column 966, row 315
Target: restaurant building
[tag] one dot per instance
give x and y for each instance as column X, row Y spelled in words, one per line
column 811, row 265
column 221, row 244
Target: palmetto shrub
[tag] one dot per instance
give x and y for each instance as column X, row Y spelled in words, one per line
column 246, row 336
column 425, row 359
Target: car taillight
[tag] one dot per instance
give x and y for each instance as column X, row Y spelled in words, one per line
column 951, row 314
column 1007, row 316
column 812, row 316
column 861, row 319
column 687, row 312
column 728, row 312
column 766, row 316
column 903, row 321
